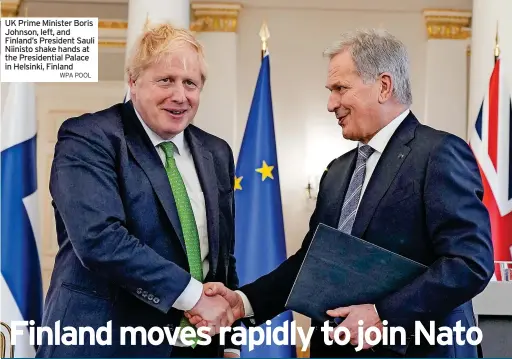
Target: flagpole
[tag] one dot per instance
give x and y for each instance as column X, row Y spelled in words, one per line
column 146, row 23
column 496, row 46
column 264, row 36
column 259, row 212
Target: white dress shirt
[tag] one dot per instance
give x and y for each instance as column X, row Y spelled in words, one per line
column 378, row 143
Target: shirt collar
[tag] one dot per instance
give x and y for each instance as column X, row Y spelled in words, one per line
column 178, row 140
column 381, row 138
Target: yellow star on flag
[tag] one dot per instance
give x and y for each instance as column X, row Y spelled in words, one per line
column 265, row 170
column 238, row 182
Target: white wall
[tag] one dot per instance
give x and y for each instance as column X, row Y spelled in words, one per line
column 217, row 110
column 446, row 97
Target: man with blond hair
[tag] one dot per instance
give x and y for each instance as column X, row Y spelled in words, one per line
column 144, row 213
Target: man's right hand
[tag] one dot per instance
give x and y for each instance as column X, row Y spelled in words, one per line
column 214, row 311
column 213, row 290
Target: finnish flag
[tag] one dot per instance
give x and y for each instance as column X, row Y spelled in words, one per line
column 20, row 280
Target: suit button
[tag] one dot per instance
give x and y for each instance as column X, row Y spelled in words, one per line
column 139, row 291
column 150, row 297
column 156, row 300
column 144, row 294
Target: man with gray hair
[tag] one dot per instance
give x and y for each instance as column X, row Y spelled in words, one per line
column 411, row 189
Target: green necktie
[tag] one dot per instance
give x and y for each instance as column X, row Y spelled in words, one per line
column 186, row 216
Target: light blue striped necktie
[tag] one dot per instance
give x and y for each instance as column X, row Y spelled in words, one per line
column 349, row 209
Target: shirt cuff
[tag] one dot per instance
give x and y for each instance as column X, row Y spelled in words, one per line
column 190, row 296
column 247, row 305
column 233, row 351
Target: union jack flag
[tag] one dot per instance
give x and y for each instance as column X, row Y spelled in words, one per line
column 492, row 145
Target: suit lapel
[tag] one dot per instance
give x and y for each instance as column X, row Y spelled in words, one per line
column 341, row 176
column 203, row 160
column 147, row 157
column 387, row 168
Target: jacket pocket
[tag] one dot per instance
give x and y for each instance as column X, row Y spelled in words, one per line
column 101, row 294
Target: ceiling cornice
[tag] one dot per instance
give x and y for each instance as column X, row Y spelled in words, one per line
column 448, row 24
column 10, row 8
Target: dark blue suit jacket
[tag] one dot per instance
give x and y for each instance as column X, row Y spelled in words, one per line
column 423, row 201
column 121, row 251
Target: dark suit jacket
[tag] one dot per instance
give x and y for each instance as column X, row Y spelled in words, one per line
column 423, row 201
column 121, row 250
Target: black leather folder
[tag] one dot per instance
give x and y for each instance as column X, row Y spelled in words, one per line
column 341, row 270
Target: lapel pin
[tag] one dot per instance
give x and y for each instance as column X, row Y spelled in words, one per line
column 401, row 155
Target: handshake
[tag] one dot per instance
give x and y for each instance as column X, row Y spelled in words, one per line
column 218, row 307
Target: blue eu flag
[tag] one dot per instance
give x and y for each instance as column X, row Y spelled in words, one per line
column 260, row 245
